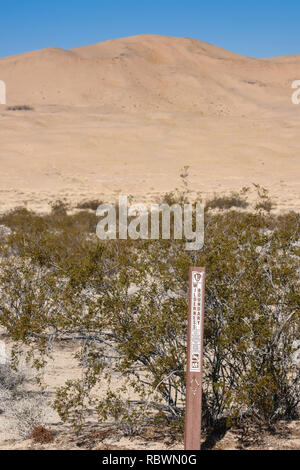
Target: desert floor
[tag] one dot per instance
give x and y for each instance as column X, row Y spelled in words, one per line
column 82, row 153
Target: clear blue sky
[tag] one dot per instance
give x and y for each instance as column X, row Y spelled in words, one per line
column 257, row 28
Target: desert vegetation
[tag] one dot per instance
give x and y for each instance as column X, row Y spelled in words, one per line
column 235, row 199
column 124, row 304
column 20, row 107
column 24, row 411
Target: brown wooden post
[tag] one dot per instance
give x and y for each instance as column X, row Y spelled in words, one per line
column 192, row 437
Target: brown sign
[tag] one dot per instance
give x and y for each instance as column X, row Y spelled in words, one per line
column 192, row 439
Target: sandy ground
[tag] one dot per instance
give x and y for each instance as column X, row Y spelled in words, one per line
column 125, row 116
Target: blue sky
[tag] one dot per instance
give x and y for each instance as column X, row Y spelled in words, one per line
column 257, row 28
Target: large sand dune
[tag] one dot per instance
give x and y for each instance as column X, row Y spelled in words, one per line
column 124, row 116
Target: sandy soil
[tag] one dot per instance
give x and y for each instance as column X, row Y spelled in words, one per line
column 124, row 116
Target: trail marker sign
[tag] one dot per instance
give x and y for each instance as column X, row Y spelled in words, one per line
column 192, row 438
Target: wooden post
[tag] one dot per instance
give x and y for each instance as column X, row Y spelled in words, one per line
column 192, row 438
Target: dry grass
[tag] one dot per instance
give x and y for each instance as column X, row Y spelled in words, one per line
column 23, row 410
column 41, row 435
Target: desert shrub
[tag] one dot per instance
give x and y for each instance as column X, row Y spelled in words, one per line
column 10, row 382
column 126, row 303
column 22, row 107
column 264, row 202
column 180, row 195
column 92, row 204
column 24, row 411
column 235, row 199
column 10, row 379
column 266, row 205
column 5, row 396
column 59, row 207
column 42, row 435
column 25, row 414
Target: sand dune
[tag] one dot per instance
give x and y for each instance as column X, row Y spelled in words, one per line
column 125, row 115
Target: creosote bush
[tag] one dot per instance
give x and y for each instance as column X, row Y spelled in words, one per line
column 235, row 199
column 92, row 204
column 125, row 303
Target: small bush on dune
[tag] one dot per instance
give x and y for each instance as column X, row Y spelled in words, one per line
column 264, row 202
column 92, row 204
column 265, row 206
column 235, row 199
